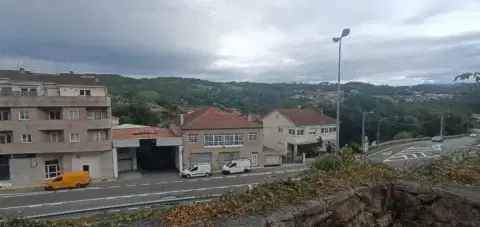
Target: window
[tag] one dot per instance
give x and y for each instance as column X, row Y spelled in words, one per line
column 24, row 115
column 4, row 115
column 291, row 131
column 322, row 130
column 192, row 138
column 99, row 136
column 227, row 139
column 313, row 132
column 330, row 129
column 334, row 129
column 280, row 130
column 52, row 169
column 85, row 92
column 26, row 138
column 233, row 139
column 74, row 137
column 28, row 92
column 217, row 139
column 54, row 115
column 5, row 138
column 252, row 136
column 97, row 114
column 300, row 132
column 208, row 140
column 73, row 115
column 56, row 137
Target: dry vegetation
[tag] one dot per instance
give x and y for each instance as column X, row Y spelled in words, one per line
column 329, row 174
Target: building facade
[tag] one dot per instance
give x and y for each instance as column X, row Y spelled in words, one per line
column 53, row 123
column 216, row 136
column 286, row 130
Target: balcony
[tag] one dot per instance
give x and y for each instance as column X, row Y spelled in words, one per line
column 54, row 101
column 308, row 139
column 82, row 125
column 66, row 147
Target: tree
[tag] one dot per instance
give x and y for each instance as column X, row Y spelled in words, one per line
column 466, row 76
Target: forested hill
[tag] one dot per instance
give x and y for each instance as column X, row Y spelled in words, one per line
column 404, row 111
column 251, row 97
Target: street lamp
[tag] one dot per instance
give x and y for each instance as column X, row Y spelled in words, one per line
column 338, row 40
column 363, row 129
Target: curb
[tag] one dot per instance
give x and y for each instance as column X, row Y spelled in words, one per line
column 21, row 187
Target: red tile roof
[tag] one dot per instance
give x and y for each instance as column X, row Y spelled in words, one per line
column 141, row 133
column 214, row 118
column 304, row 117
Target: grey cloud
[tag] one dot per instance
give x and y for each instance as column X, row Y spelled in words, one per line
column 180, row 38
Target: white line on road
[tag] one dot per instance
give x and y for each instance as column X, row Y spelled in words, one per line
column 127, row 196
column 116, row 186
column 147, row 184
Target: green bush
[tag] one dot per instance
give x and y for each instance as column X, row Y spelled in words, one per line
column 342, row 160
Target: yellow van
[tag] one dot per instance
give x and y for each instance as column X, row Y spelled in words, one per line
column 68, row 180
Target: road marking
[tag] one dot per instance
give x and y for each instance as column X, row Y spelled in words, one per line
column 129, row 196
column 113, row 211
column 130, row 185
column 133, row 208
column 116, row 186
column 147, row 184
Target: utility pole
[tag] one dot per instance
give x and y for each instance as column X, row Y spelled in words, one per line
column 441, row 125
column 363, row 133
column 378, row 135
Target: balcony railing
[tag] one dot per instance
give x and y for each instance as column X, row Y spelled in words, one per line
column 47, row 147
column 54, row 101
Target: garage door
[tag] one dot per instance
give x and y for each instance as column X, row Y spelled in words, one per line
column 125, row 165
column 272, row 160
column 200, row 157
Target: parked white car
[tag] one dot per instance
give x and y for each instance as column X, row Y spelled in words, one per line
column 198, row 170
column 474, row 135
column 237, row 166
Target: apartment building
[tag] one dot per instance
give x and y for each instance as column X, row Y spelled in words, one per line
column 53, row 123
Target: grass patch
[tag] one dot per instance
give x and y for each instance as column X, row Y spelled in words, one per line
column 328, row 175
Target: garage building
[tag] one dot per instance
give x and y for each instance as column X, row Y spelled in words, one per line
column 145, row 149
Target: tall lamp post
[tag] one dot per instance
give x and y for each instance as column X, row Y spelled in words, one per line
column 338, row 40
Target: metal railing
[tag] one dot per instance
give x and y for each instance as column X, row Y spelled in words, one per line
column 148, row 204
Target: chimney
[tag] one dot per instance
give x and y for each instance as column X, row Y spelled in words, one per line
column 181, row 119
column 22, row 70
column 249, row 117
column 299, row 106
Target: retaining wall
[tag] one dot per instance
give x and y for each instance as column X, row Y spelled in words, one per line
column 401, row 204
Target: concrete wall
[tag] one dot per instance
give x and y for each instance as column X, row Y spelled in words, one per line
column 271, row 136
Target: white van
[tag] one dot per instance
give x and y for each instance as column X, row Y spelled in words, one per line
column 198, row 170
column 237, row 166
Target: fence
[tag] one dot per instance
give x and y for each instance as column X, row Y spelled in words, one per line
column 395, row 142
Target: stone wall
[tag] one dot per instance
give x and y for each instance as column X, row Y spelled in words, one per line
column 402, row 204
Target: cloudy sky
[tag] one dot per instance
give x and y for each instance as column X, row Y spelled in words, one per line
column 396, row 42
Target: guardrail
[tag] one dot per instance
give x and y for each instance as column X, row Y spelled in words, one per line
column 395, row 142
column 147, row 204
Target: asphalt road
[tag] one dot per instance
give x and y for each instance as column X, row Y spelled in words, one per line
column 413, row 153
column 35, row 202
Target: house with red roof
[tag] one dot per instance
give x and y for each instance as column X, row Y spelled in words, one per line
column 295, row 131
column 210, row 134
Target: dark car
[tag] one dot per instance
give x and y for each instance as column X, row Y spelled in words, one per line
column 437, row 139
